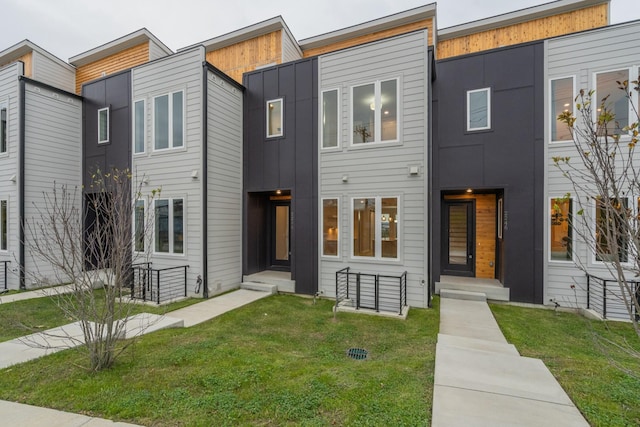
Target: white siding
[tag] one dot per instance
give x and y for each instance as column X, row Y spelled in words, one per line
column 171, row 170
column 9, row 93
column 53, row 73
column 381, row 169
column 53, row 147
column 580, row 55
column 290, row 49
column 224, row 158
column 155, row 51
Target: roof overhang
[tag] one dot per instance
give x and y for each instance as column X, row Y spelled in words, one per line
column 24, row 47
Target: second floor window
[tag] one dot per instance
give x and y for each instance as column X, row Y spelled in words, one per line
column 479, row 109
column 374, row 112
column 3, row 128
column 274, row 118
column 103, row 125
column 168, row 121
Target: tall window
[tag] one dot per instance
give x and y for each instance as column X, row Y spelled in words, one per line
column 561, row 101
column 4, row 237
column 3, row 128
column 479, row 109
column 561, row 230
column 103, row 125
column 375, row 227
column 274, row 118
column 330, row 234
column 168, row 121
column 139, row 226
column 612, row 240
column 138, row 127
column 329, row 106
column 617, row 102
column 374, row 112
column 169, row 226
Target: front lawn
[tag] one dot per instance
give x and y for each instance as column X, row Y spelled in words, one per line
column 279, row 361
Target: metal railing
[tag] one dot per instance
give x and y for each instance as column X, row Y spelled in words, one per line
column 604, row 297
column 379, row 292
column 158, row 285
column 4, row 268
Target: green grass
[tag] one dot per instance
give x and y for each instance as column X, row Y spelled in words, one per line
column 25, row 317
column 278, row 361
column 568, row 345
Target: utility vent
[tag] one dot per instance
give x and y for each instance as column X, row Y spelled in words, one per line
column 357, row 353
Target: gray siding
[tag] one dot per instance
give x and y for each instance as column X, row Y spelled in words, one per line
column 170, row 170
column 224, row 163
column 381, row 169
column 53, row 147
column 580, row 55
column 9, row 94
column 155, row 51
column 53, row 73
column 290, row 49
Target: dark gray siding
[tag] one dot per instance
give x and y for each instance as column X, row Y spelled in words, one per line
column 508, row 157
column 287, row 163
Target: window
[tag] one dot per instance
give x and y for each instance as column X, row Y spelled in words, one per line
column 375, row 227
column 138, row 127
column 479, row 109
column 561, row 230
column 617, row 102
column 561, row 100
column 274, row 118
column 611, row 234
column 330, row 234
column 169, row 226
column 139, row 230
column 374, row 112
column 168, row 119
column 4, row 238
column 329, row 108
column 103, row 125
column 3, row 128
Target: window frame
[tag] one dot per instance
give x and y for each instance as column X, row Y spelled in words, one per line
column 597, row 97
column 135, row 228
column 4, row 218
column 268, row 116
column 377, row 101
column 378, row 230
column 338, row 227
column 4, row 105
column 321, row 120
column 553, row 119
column 594, row 229
column 107, row 123
column 144, row 126
column 571, row 231
column 170, row 144
column 170, row 229
column 469, row 93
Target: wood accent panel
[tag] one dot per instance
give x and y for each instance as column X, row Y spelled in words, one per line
column 122, row 60
column 415, row 26
column 27, row 59
column 486, row 214
column 246, row 56
column 537, row 29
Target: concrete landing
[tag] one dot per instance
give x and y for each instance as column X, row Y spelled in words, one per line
column 281, row 279
column 492, row 288
column 481, row 380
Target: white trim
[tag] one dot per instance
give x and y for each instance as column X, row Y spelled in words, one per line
column 378, row 230
column 469, row 92
column 377, row 101
column 321, row 118
column 548, row 227
column 171, row 145
column 281, row 133
column 338, row 225
column 108, row 122
column 144, row 127
column 170, row 229
column 552, row 120
column 7, row 221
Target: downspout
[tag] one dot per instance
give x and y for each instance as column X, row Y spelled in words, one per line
column 205, row 162
column 21, row 186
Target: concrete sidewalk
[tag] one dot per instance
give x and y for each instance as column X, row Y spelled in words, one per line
column 481, row 379
column 36, row 293
column 18, row 414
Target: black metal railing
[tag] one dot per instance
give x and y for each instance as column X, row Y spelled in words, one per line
column 604, row 296
column 4, row 269
column 379, row 292
column 158, row 285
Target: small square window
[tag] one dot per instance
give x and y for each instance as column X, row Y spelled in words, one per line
column 103, row 125
column 479, row 109
column 274, row 118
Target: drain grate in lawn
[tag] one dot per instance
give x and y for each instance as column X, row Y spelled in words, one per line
column 357, row 353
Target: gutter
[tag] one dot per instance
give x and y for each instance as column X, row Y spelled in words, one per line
column 21, row 186
column 205, row 171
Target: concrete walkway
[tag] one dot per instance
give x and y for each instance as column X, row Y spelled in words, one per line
column 68, row 336
column 481, row 379
column 36, row 293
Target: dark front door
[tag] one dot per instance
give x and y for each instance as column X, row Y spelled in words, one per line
column 281, row 235
column 458, row 237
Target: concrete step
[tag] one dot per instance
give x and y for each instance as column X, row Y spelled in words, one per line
column 492, row 292
column 262, row 287
column 277, row 278
column 465, row 295
column 477, row 344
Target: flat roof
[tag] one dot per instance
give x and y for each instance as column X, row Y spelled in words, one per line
column 130, row 40
column 380, row 24
column 517, row 17
column 25, row 46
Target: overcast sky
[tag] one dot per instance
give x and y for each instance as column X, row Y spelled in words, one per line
column 70, row 27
